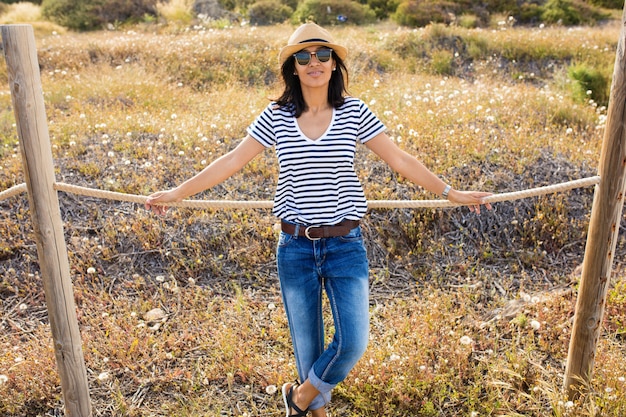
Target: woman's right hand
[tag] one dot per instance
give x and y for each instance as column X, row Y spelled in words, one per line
column 161, row 197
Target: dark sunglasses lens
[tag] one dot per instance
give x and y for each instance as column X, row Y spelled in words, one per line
column 303, row 57
column 324, row 54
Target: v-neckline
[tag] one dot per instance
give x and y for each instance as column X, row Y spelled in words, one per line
column 330, row 124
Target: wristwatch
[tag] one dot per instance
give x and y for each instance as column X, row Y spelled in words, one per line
column 446, row 191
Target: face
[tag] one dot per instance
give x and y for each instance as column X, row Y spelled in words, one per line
column 318, row 70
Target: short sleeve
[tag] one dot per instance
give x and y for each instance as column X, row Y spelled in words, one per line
column 369, row 124
column 262, row 129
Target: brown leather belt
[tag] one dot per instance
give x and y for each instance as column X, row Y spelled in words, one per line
column 318, row 232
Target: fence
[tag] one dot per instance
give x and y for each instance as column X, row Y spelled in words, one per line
column 25, row 84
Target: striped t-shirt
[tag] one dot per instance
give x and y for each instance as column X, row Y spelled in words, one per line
column 317, row 184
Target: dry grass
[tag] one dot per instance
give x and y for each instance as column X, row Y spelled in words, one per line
column 139, row 110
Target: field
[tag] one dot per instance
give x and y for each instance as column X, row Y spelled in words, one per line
column 471, row 314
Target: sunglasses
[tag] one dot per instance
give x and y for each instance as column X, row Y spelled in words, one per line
column 304, row 57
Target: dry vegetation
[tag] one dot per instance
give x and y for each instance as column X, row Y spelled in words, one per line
column 471, row 315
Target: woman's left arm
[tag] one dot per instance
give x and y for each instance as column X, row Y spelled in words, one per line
column 412, row 169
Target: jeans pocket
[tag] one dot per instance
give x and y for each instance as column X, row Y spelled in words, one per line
column 284, row 240
column 353, row 236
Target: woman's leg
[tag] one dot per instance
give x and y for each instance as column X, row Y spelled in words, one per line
column 301, row 289
column 346, row 281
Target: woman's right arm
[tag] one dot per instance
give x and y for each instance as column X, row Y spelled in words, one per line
column 219, row 170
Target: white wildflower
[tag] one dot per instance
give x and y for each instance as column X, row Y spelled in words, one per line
column 271, row 389
column 3, row 379
column 535, row 324
column 466, row 340
column 91, row 270
column 103, row 376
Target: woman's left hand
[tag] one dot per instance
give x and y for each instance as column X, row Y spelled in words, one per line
column 471, row 199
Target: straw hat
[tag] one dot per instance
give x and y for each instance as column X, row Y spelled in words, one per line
column 307, row 35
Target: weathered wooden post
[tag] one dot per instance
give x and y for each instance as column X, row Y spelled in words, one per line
column 603, row 232
column 32, row 126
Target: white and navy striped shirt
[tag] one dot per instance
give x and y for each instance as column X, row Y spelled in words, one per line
column 317, row 184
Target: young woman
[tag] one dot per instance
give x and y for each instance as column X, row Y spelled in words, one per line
column 315, row 127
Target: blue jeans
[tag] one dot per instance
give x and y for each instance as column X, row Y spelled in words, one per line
column 339, row 266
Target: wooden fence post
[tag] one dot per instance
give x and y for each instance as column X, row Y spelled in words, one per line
column 32, row 128
column 603, row 232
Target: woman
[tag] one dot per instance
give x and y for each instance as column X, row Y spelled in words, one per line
column 315, row 126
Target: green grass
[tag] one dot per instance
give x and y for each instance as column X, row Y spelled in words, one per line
column 141, row 109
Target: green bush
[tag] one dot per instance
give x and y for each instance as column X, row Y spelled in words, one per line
column 69, row 13
column 268, row 12
column 416, row 13
column 565, row 12
column 442, row 63
column 326, row 12
column 529, row 13
column 236, row 5
column 382, row 8
column 90, row 15
column 561, row 11
column 589, row 83
column 570, row 13
column 608, row 4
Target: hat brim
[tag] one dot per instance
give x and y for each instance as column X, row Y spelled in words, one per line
column 289, row 50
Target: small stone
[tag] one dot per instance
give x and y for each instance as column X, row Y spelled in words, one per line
column 154, row 315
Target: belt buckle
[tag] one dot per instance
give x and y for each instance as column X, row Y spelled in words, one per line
column 306, row 233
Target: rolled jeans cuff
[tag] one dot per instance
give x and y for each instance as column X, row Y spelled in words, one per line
column 323, row 387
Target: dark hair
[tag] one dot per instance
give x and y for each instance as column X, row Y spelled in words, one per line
column 292, row 94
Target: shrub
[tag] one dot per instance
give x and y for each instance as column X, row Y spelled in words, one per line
column 382, row 8
column 468, row 21
column 421, row 13
column 561, row 11
column 569, row 13
column 71, row 14
column 19, row 12
column 327, row 12
column 267, row 12
column 529, row 13
column 609, row 4
column 176, row 10
column 90, row 15
column 589, row 83
column 235, row 5
column 442, row 63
